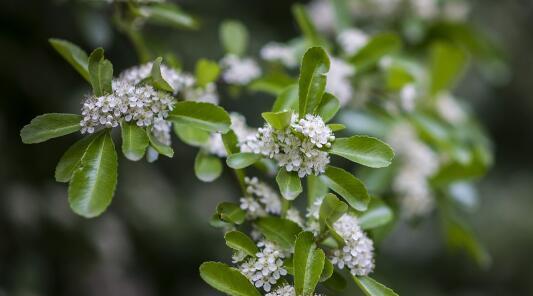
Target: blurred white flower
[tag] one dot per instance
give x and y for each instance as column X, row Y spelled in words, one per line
column 322, row 14
column 449, row 109
column 456, row 10
column 408, row 95
column 426, row 9
column 339, row 83
column 351, row 40
column 358, row 252
column 242, row 131
column 278, row 52
column 294, row 215
column 417, row 163
column 239, row 71
column 266, row 268
column 252, row 207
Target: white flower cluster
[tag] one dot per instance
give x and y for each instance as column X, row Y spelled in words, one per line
column 182, row 82
column 266, row 268
column 141, row 104
column 285, row 290
column 278, row 52
column 297, row 148
column 351, row 40
column 418, row 163
column 294, row 215
column 239, row 71
column 358, row 252
column 215, row 145
column 262, row 199
column 339, row 83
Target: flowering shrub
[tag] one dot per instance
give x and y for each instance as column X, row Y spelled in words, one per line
column 380, row 91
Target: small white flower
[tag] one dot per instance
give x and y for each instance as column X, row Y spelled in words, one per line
column 284, row 290
column 339, row 83
column 266, row 195
column 252, row 207
column 408, row 96
column 351, row 40
column 266, row 268
column 302, row 155
column 240, row 71
column 294, row 215
column 449, row 109
column 215, row 145
column 358, row 253
column 278, row 52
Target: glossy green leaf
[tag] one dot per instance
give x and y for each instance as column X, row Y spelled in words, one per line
column 331, row 210
column 398, row 77
column 93, row 183
column 227, row 279
column 206, row 72
column 241, row 242
column 100, row 73
column 308, row 262
column 48, row 126
column 306, row 26
column 207, row 167
column 272, row 83
column 371, row 287
column 287, row 99
column 377, row 214
column 134, row 140
column 204, row 116
column 281, row 231
column 289, row 184
column 315, row 188
column 379, row 46
column 278, row 120
column 447, row 63
column 168, row 14
column 71, row 160
column 329, row 106
column 242, row 160
column 231, row 212
column 74, row 55
column 156, row 79
column 335, row 127
column 347, row 186
column 336, row 282
column 327, row 272
column 312, row 81
column 364, row 150
column 158, row 146
column 191, row 135
column 231, row 142
column 234, row 37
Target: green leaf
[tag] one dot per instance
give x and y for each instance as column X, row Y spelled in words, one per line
column 343, row 18
column 134, row 140
column 241, row 242
column 227, row 279
column 460, row 236
column 398, row 77
column 74, row 55
column 100, row 73
column 447, row 63
column 272, row 83
column 287, row 99
column 156, row 79
column 191, row 135
column 377, row 214
column 347, row 186
column 331, row 210
column 308, row 262
column 206, row 72
column 371, row 287
column 306, row 26
column 168, row 14
column 231, row 212
column 204, row 116
column 71, row 160
column 327, row 272
column 289, row 184
column 315, row 189
column 281, row 231
column 278, row 120
column 158, row 146
column 242, row 160
column 329, row 106
column 93, row 183
column 49, row 126
column 312, row 81
column 336, row 282
column 234, row 37
column 379, row 46
column 363, row 150
column 231, row 142
column 335, row 127
column 207, row 167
